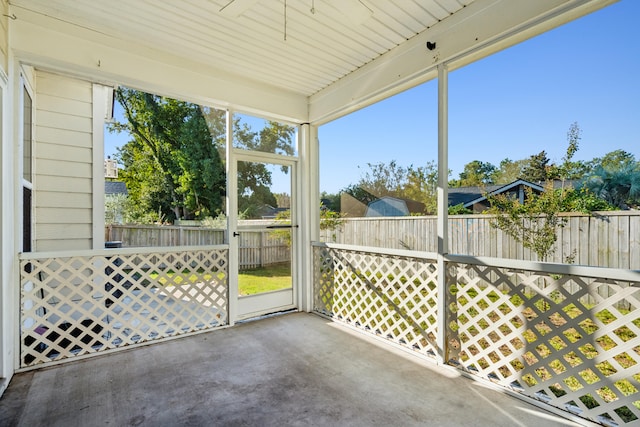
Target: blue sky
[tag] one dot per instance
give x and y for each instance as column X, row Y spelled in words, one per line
column 512, row 104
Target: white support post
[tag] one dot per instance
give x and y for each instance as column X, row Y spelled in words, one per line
column 99, row 110
column 443, row 205
column 15, row 156
column 232, row 222
column 309, row 213
column 7, row 307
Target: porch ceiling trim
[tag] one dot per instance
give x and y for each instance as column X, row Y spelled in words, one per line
column 74, row 39
column 476, row 31
column 59, row 46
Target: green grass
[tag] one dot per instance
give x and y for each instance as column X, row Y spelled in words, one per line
column 250, row 282
column 186, row 275
column 264, row 279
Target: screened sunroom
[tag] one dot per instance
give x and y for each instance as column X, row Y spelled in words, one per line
column 506, row 337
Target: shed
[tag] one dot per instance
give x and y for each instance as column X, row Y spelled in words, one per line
column 393, row 206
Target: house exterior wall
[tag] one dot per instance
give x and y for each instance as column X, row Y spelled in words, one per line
column 63, row 167
column 4, row 30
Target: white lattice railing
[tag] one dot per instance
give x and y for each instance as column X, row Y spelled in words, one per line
column 73, row 305
column 570, row 340
column 390, row 294
column 565, row 335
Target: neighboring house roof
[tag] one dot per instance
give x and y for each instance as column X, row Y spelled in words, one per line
column 115, row 187
column 470, row 195
column 268, row 212
column 464, row 195
column 393, row 206
column 491, row 189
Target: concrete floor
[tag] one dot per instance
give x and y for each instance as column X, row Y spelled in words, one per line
column 294, row 369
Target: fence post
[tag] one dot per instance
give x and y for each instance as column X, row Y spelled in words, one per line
column 261, row 251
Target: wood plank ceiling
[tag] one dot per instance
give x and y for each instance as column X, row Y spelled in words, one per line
column 301, row 46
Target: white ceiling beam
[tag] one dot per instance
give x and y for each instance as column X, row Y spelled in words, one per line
column 481, row 28
column 63, row 47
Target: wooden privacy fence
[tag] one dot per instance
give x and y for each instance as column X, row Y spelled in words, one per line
column 163, row 235
column 603, row 239
column 258, row 248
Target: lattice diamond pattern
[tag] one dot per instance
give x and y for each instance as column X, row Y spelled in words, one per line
column 570, row 341
column 86, row 304
column 393, row 297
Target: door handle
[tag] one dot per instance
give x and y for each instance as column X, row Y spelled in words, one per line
column 236, row 234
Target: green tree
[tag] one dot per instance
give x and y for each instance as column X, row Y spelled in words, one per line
column 509, row 171
column 459, row 209
column 422, row 186
column 254, row 179
column 412, row 183
column 360, row 194
column 616, row 179
column 619, row 187
column 330, row 202
column 378, row 181
column 329, row 220
column 384, row 179
column 535, row 222
column 254, row 192
column 172, row 164
column 614, row 160
column 121, row 209
column 535, row 168
column 584, row 200
column 477, row 173
column 275, row 137
column 569, row 170
column 115, row 206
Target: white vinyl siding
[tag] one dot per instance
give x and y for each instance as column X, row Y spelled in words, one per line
column 4, row 31
column 63, row 163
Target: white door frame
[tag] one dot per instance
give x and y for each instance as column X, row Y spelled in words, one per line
column 256, row 305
